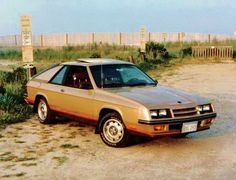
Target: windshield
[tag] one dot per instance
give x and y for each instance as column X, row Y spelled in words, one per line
column 119, row 75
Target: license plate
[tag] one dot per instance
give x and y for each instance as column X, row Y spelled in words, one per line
column 189, row 127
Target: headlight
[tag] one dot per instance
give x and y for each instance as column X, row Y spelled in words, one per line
column 204, row 108
column 162, row 113
column 154, row 113
column 159, row 113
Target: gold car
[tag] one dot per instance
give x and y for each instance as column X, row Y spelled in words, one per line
column 118, row 98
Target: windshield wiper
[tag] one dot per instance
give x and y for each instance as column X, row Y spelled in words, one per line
column 140, row 84
column 111, row 85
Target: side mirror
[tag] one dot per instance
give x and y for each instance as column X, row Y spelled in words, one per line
column 156, row 82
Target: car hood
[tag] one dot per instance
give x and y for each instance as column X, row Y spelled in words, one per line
column 159, row 96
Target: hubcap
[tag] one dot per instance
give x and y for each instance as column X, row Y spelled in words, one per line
column 113, row 130
column 42, row 110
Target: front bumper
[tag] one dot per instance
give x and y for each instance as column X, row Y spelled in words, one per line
column 147, row 128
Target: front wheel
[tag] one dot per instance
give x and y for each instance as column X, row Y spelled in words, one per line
column 45, row 114
column 113, row 131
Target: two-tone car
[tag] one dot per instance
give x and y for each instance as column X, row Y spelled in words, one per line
column 118, row 98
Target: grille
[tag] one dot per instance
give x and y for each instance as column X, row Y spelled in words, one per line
column 185, row 112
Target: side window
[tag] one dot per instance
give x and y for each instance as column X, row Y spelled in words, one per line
column 48, row 73
column 77, row 77
column 60, row 77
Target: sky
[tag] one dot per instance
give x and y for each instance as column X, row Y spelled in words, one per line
column 60, row 16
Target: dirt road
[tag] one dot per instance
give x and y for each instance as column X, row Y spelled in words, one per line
column 69, row 150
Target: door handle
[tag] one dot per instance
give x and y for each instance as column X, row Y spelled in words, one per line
column 62, row 90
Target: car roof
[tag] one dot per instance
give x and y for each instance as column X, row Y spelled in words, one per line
column 95, row 61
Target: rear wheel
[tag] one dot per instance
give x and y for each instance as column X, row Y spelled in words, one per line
column 113, row 131
column 45, row 114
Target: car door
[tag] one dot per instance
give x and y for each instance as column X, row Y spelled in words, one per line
column 74, row 95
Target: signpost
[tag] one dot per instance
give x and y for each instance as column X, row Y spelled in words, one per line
column 27, row 48
column 143, row 39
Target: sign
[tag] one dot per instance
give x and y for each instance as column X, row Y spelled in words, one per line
column 25, row 24
column 143, row 39
column 26, row 36
column 27, row 54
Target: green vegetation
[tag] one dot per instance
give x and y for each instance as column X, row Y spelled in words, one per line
column 13, row 108
column 60, row 159
column 69, row 146
column 12, row 54
column 14, row 175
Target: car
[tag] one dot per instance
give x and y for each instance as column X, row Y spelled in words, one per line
column 118, row 98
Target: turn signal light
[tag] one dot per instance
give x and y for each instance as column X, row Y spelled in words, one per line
column 206, row 122
column 161, row 128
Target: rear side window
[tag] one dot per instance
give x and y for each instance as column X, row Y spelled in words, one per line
column 60, row 77
column 47, row 75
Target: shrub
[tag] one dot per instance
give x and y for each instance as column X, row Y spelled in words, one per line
column 157, row 50
column 10, row 54
column 95, row 55
column 18, row 75
column 145, row 66
column 13, row 108
column 186, row 52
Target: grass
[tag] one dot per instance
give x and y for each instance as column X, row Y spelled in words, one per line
column 25, row 159
column 5, row 154
column 20, row 142
column 13, row 108
column 8, row 156
column 60, row 159
column 29, row 164
column 14, row 175
column 69, row 146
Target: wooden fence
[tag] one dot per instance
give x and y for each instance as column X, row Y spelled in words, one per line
column 223, row 52
column 116, row 38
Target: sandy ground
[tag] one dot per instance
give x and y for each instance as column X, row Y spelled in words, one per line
column 69, row 150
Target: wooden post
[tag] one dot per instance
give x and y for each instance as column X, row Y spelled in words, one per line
column 15, row 40
column 66, row 39
column 41, row 39
column 93, row 38
column 179, row 37
column 120, row 38
column 131, row 59
column 232, row 55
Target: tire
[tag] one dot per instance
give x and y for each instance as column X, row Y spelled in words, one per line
column 45, row 115
column 113, row 131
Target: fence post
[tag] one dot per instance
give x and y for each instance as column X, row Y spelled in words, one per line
column 15, row 40
column 120, row 38
column 41, row 40
column 93, row 38
column 232, row 51
column 67, row 39
column 179, row 37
